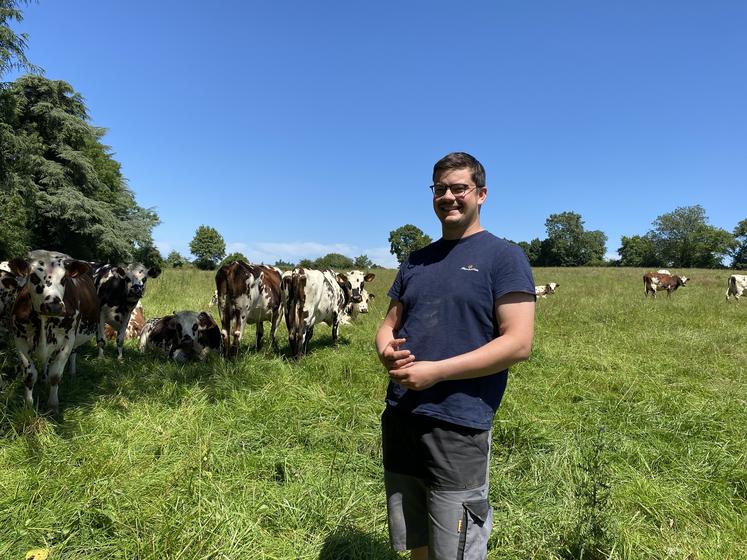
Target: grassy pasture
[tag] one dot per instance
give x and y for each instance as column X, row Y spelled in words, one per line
column 624, row 436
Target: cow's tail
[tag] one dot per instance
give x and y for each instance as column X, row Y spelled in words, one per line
column 731, row 287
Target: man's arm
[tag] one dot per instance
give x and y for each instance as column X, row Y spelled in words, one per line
column 515, row 316
column 387, row 347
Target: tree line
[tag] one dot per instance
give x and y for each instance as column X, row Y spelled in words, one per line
column 60, row 186
column 682, row 238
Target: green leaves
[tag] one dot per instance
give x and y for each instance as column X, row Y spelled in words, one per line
column 405, row 240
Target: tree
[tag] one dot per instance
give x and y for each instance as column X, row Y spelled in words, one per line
column 568, row 244
column 149, row 255
column 208, row 246
column 284, row 265
column 233, row 257
column 74, row 196
column 406, row 239
column 638, row 251
column 12, row 45
column 739, row 255
column 335, row 261
column 533, row 251
column 175, row 260
column 362, row 262
column 683, row 238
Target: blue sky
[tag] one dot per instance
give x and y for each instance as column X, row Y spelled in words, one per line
column 301, row 128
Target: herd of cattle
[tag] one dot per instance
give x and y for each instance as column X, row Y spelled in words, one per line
column 51, row 303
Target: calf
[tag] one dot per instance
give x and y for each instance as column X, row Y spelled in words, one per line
column 736, row 286
column 653, row 281
column 311, row 297
column 55, row 312
column 248, row 293
column 119, row 290
column 182, row 336
column 545, row 289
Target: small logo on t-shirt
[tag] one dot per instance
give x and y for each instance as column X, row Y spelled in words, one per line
column 470, row 268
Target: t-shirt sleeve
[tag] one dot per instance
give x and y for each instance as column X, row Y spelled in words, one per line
column 395, row 292
column 512, row 273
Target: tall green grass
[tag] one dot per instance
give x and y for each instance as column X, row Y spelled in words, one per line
column 624, row 436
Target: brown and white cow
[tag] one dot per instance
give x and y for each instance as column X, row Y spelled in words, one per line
column 248, row 293
column 184, row 335
column 55, row 311
column 134, row 326
column 545, row 289
column 311, row 297
column 653, row 281
column 736, row 286
column 119, row 290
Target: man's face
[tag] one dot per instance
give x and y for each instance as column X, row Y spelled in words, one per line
column 458, row 212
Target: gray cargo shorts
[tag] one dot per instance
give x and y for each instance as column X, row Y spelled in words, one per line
column 436, row 479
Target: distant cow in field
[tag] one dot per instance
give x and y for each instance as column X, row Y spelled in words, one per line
column 134, row 326
column 663, row 271
column 119, row 290
column 543, row 290
column 182, row 336
column 247, row 293
column 736, row 286
column 55, row 311
column 311, row 297
column 653, row 281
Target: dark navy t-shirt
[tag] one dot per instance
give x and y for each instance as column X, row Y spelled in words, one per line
column 448, row 291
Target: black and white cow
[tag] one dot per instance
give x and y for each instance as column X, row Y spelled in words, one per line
column 8, row 291
column 358, row 300
column 55, row 311
column 184, row 335
column 119, row 289
column 311, row 297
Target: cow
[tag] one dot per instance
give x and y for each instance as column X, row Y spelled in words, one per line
column 55, row 311
column 663, row 271
column 545, row 289
column 134, row 326
column 119, row 289
column 248, row 293
column 311, row 297
column 8, row 291
column 357, row 279
column 736, row 286
column 653, row 281
column 182, row 336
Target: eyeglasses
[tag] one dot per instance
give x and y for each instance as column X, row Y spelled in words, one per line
column 458, row 190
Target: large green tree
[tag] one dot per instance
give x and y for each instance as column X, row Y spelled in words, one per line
column 406, row 239
column 335, row 261
column 739, row 256
column 208, row 246
column 569, row 244
column 13, row 45
column 684, row 238
column 638, row 250
column 73, row 194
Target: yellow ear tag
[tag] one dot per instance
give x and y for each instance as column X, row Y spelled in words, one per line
column 38, row 554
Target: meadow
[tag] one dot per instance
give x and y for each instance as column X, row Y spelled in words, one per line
column 623, row 437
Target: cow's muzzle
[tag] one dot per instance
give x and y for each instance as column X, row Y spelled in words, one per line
column 136, row 292
column 186, row 342
column 52, row 309
column 356, row 297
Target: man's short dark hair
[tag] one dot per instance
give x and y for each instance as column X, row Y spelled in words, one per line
column 460, row 160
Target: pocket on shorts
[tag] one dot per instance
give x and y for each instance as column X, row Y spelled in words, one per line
column 474, row 530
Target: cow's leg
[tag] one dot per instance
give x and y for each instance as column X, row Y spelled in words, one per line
column 121, row 335
column 335, row 327
column 274, row 322
column 260, row 333
column 73, row 366
column 237, row 334
column 100, row 339
column 55, row 376
column 307, row 337
column 29, row 370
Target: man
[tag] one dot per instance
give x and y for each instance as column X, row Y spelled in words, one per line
column 461, row 313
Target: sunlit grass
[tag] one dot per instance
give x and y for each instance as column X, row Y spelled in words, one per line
column 267, row 458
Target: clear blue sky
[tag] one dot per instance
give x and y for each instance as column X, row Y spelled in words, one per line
column 300, row 128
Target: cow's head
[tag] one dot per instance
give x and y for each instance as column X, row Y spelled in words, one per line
column 47, row 274
column 682, row 280
column 551, row 287
column 357, row 279
column 135, row 276
column 365, row 298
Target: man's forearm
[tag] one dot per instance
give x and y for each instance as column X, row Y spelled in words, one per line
column 495, row 356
